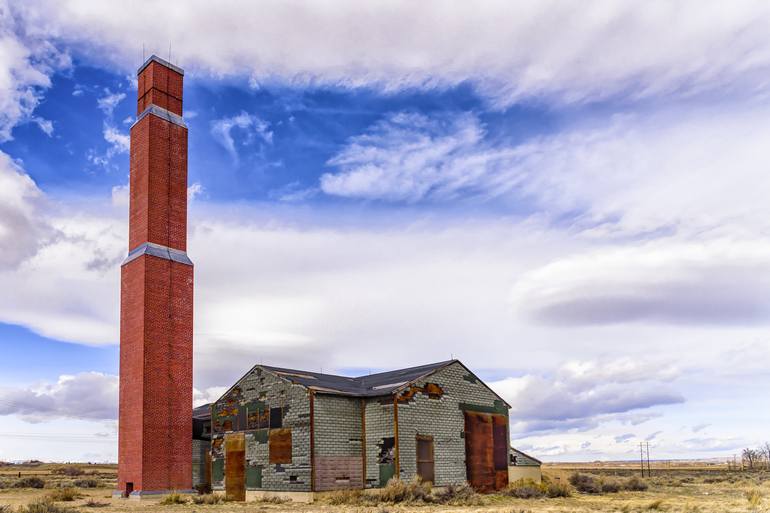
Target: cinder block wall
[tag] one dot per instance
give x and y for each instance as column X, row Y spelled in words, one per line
column 265, row 390
column 379, row 425
column 443, row 419
column 338, row 458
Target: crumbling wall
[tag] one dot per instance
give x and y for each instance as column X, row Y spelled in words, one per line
column 338, row 458
column 274, row 415
column 200, row 449
column 434, row 407
column 380, row 451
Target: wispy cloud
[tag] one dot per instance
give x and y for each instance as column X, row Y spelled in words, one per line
column 251, row 125
column 109, row 101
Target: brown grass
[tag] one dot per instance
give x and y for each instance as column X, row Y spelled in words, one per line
column 684, row 489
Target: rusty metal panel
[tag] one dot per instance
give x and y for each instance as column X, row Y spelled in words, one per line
column 479, row 452
column 279, row 446
column 500, row 442
column 235, row 465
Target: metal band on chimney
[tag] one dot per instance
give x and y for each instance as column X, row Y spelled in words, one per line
column 162, row 62
column 158, row 250
column 161, row 113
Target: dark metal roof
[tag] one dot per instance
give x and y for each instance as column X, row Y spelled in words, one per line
column 372, row 385
column 202, row 412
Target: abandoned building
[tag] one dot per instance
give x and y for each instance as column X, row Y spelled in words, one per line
column 276, row 429
column 290, row 430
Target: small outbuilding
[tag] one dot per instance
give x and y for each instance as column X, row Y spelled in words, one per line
column 523, row 466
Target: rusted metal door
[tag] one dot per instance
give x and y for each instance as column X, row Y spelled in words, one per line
column 425, row 459
column 235, row 465
column 485, row 449
column 500, row 450
column 479, row 462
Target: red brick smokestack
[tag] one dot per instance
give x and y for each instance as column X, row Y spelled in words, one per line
column 156, row 296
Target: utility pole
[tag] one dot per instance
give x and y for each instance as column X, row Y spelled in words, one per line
column 641, row 457
column 649, row 469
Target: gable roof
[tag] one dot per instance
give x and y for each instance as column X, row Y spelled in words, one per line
column 372, row 385
column 527, row 459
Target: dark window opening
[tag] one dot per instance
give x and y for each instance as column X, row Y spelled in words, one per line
column 387, row 450
column 276, row 418
column 129, row 489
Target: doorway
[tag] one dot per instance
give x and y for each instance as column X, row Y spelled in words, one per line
column 425, row 459
column 235, row 465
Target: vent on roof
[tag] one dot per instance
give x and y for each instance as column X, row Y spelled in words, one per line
column 391, row 385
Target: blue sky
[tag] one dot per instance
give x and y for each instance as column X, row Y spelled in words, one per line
column 576, row 209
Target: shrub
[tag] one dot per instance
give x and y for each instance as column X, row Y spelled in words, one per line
column 64, row 494
column 655, row 505
column 525, row 489
column 173, row 498
column 585, row 483
column 5, row 508
column 754, row 497
column 398, row 491
column 635, row 485
column 87, row 482
column 69, row 470
column 90, row 503
column 203, row 488
column 610, row 486
column 349, row 497
column 29, row 482
column 207, row 498
column 554, row 490
column 272, row 500
column 457, row 495
column 45, row 506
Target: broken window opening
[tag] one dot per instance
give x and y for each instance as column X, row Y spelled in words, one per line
column 387, row 450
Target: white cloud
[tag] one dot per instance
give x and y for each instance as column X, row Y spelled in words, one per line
column 409, row 157
column 194, row 191
column 252, row 125
column 722, row 281
column 46, row 125
column 26, row 63
column 109, row 101
column 695, row 164
column 583, row 394
column 208, row 395
column 509, row 52
column 120, row 142
column 22, row 229
column 120, row 195
column 88, row 395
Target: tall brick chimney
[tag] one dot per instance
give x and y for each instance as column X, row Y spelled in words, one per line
column 156, row 296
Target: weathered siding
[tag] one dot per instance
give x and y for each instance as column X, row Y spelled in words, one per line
column 261, row 403
column 338, row 458
column 441, row 417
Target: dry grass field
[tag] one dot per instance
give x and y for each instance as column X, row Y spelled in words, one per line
column 680, row 488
